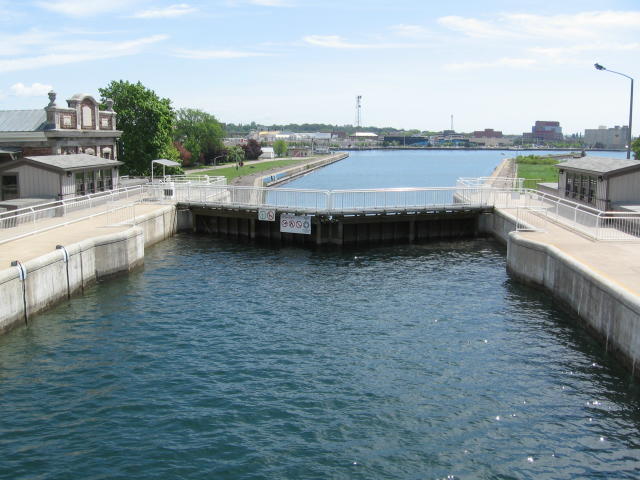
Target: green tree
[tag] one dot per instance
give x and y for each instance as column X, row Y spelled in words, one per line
column 235, row 155
column 280, row 148
column 635, row 146
column 200, row 133
column 146, row 121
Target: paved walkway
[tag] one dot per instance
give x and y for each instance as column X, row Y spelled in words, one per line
column 619, row 262
column 36, row 245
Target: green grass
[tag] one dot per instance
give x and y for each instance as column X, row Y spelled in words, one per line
column 536, row 170
column 231, row 172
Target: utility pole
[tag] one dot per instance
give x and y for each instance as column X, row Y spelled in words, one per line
column 358, row 111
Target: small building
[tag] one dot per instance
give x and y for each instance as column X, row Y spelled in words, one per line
column 602, row 183
column 57, row 177
column 302, row 151
column 267, row 153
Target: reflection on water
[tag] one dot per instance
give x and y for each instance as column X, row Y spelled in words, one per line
column 236, row 361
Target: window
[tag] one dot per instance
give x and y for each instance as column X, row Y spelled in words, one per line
column 593, row 188
column 99, row 182
column 91, row 186
column 80, row 185
column 66, row 121
column 108, row 180
column 87, row 116
column 9, row 187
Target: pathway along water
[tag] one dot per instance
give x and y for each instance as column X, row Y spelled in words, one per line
column 234, row 361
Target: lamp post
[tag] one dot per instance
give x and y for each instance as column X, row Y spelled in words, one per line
column 600, row 67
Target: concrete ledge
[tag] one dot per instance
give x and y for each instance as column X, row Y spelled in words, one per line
column 59, row 274
column 291, row 173
column 608, row 310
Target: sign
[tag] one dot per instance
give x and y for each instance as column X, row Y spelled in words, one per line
column 295, row 224
column 267, row 214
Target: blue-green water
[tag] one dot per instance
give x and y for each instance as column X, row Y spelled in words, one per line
column 411, row 168
column 231, row 361
column 234, row 361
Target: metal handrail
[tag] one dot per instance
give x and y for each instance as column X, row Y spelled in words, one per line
column 72, row 201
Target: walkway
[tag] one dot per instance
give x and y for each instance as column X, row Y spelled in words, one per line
column 36, row 245
column 618, row 262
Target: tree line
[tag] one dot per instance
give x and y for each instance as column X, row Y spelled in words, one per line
column 152, row 129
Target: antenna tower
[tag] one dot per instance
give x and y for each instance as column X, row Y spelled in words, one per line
column 358, row 111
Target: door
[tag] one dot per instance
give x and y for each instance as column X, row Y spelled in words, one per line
column 9, row 187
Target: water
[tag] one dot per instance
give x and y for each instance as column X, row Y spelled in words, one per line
column 234, row 361
column 231, row 361
column 411, row 168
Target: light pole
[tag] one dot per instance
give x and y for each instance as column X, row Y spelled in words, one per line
column 600, row 67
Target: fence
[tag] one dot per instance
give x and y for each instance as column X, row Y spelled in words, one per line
column 22, row 226
column 595, row 224
column 63, row 208
column 322, row 201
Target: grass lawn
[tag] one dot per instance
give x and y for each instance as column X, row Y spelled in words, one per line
column 536, row 170
column 231, row 172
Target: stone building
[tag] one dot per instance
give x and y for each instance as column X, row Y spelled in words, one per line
column 79, row 127
column 603, row 137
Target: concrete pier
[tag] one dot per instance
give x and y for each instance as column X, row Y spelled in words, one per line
column 43, row 274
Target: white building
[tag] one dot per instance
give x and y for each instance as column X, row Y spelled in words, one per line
column 267, row 153
column 57, row 177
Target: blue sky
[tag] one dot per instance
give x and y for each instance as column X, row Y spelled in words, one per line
column 491, row 64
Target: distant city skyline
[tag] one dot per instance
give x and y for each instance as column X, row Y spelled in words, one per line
column 493, row 64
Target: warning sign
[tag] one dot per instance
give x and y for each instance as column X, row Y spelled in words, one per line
column 295, row 224
column 267, row 214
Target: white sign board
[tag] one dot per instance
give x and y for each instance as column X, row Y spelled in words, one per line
column 267, row 214
column 295, row 224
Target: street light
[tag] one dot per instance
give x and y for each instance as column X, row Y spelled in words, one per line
column 600, row 67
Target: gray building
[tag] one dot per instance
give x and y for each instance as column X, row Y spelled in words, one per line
column 603, row 137
column 602, row 183
column 57, row 177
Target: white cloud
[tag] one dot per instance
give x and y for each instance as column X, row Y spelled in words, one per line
column 85, row 8
column 473, row 27
column 524, row 25
column 62, row 54
column 410, row 31
column 35, row 90
column 500, row 63
column 171, row 11
column 336, row 41
column 270, row 3
column 214, row 54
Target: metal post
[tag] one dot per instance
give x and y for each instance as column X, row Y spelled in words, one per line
column 629, row 136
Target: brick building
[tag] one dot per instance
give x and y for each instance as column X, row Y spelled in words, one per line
column 79, row 127
column 544, row 132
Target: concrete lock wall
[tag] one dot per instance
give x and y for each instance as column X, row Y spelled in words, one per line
column 607, row 310
column 57, row 275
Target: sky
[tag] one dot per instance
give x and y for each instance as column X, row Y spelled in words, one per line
column 492, row 64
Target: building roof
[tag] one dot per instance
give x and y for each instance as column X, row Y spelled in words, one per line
column 23, row 120
column 76, row 161
column 364, row 134
column 267, row 149
column 599, row 165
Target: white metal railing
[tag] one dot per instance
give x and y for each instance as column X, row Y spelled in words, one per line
column 491, row 182
column 595, row 224
column 64, row 208
column 113, row 215
column 321, row 201
column 195, row 179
